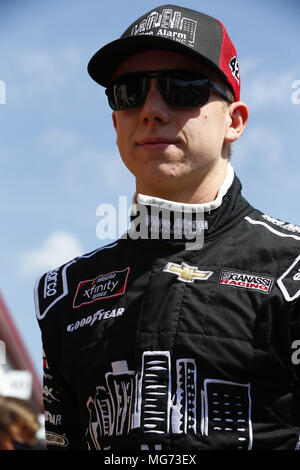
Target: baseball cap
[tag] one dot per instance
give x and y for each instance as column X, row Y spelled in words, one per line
column 173, row 28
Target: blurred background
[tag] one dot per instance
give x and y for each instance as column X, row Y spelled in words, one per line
column 58, row 157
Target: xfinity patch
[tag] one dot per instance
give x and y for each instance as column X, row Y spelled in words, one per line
column 289, row 282
column 249, row 281
column 104, row 286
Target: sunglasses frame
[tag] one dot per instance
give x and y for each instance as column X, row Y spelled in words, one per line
column 146, row 76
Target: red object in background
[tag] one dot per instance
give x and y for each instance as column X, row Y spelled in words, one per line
column 18, row 355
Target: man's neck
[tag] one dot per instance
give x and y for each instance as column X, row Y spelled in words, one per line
column 189, row 207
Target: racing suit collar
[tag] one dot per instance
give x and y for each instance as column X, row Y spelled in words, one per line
column 184, row 207
column 156, row 221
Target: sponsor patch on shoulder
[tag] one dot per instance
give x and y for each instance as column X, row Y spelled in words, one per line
column 280, row 223
column 256, row 282
column 104, row 286
column 50, row 289
column 289, row 282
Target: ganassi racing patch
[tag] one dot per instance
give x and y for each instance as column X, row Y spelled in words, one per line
column 104, row 286
column 256, row 282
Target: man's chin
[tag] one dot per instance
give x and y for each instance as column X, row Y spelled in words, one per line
column 165, row 183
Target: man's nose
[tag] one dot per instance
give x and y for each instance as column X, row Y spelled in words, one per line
column 154, row 108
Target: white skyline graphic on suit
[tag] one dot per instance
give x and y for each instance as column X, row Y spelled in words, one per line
column 131, row 400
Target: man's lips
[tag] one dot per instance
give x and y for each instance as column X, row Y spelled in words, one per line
column 156, row 142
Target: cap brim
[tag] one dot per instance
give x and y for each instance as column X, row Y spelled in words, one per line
column 103, row 64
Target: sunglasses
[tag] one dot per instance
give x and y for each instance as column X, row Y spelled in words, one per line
column 181, row 88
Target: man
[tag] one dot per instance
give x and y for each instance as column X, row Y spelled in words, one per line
column 18, row 425
column 182, row 335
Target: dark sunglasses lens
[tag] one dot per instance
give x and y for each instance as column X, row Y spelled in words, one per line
column 128, row 94
column 179, row 92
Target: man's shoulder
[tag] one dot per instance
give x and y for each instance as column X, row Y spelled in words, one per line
column 54, row 286
column 278, row 244
column 273, row 227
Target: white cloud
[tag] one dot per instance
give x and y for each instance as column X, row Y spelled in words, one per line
column 262, row 87
column 58, row 248
column 248, row 64
column 50, row 67
column 103, row 170
column 261, row 144
column 44, row 73
column 59, row 140
column 261, row 151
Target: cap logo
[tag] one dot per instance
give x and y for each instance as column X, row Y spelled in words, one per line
column 234, row 67
column 170, row 24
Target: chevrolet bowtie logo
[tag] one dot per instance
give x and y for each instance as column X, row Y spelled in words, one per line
column 187, row 273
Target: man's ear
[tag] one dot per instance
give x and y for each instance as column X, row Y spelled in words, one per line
column 237, row 118
column 114, row 119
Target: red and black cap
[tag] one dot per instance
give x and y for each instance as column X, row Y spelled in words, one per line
column 172, row 28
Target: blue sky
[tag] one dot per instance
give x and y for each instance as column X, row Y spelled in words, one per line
column 58, row 158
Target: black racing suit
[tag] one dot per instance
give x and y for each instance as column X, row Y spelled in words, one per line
column 150, row 345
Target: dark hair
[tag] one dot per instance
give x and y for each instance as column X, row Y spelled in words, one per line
column 5, row 419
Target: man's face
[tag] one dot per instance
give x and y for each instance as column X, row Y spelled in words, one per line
column 170, row 150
